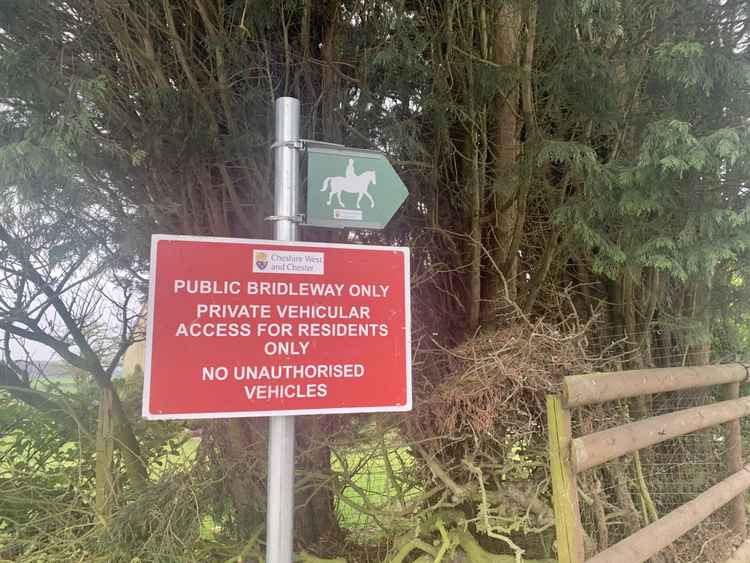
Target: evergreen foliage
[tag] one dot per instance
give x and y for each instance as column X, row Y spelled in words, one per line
column 566, row 159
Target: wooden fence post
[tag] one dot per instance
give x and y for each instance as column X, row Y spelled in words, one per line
column 564, row 487
column 737, row 514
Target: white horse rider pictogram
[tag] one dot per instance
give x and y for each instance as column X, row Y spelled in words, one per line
column 351, row 183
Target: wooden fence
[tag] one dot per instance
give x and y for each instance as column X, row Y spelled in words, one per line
column 570, row 456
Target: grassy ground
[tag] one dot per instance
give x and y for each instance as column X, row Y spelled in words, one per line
column 180, row 455
column 372, row 478
column 374, row 474
column 376, row 483
column 59, row 384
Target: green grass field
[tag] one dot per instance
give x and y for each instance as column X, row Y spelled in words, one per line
column 375, row 484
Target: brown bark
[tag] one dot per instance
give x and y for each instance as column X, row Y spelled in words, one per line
column 699, row 354
column 652, row 292
column 316, row 520
column 630, row 316
column 104, row 452
column 242, row 483
column 505, row 203
column 329, row 81
column 614, row 310
column 127, row 443
column 587, row 305
column 471, row 179
column 542, row 268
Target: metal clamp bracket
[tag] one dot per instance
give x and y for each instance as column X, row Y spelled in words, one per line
column 298, row 145
column 298, row 218
column 323, row 144
column 302, row 144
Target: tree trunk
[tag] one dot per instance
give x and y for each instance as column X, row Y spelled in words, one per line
column 699, row 353
column 242, row 481
column 329, row 90
column 505, row 202
column 316, row 519
column 104, row 456
column 470, row 175
column 126, row 442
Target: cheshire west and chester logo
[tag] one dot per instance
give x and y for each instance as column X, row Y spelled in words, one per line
column 261, row 260
column 289, row 262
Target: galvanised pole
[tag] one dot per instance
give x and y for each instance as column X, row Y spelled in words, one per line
column 280, row 507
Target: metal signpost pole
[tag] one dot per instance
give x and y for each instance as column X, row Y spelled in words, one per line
column 280, row 507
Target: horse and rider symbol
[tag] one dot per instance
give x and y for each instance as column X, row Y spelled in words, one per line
column 351, row 183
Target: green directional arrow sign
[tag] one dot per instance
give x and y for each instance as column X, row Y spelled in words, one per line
column 351, row 188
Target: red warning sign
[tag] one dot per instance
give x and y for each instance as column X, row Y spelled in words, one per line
column 256, row 328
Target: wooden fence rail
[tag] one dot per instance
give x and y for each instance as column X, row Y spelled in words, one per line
column 570, row 456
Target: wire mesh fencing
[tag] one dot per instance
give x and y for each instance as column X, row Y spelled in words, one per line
column 624, row 495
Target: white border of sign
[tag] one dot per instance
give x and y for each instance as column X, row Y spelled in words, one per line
column 245, row 414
